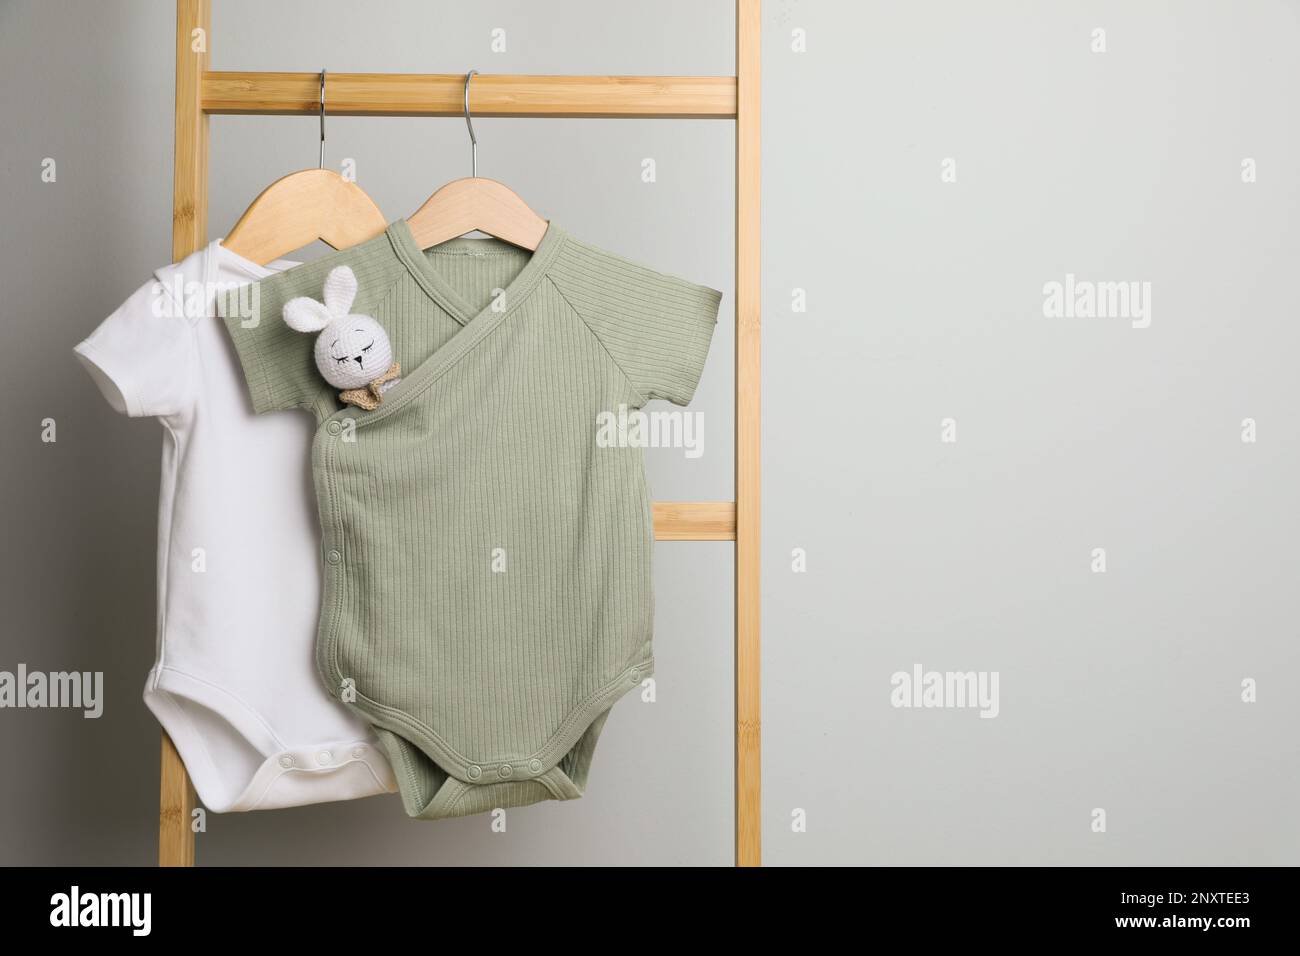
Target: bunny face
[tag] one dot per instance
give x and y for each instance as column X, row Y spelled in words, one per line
column 351, row 350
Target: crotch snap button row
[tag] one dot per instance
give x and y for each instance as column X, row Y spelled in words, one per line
column 324, row 757
column 505, row 770
column 286, row 761
column 334, row 428
column 535, row 766
column 474, row 772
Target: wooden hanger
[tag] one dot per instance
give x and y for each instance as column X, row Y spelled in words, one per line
column 302, row 207
column 464, row 205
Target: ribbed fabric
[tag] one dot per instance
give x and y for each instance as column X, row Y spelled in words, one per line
column 489, row 688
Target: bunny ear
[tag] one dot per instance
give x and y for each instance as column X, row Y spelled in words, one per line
column 305, row 315
column 340, row 290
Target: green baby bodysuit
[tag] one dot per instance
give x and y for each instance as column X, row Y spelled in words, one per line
column 487, row 561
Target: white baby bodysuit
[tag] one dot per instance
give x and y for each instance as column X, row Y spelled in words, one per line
column 234, row 682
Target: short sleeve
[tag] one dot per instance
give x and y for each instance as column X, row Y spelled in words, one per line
column 142, row 356
column 277, row 361
column 656, row 327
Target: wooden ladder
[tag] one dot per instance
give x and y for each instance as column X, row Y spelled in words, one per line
column 201, row 93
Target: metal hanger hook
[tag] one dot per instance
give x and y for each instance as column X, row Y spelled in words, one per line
column 473, row 140
column 320, row 163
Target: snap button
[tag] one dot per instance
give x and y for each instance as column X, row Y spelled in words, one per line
column 334, row 428
column 535, row 766
column 324, row 757
column 474, row 772
column 286, row 761
column 358, row 752
column 505, row 771
column 635, row 676
column 333, row 557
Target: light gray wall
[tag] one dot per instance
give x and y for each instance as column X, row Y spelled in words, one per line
column 1118, row 691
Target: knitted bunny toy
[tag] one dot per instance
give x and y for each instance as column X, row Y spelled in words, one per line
column 352, row 351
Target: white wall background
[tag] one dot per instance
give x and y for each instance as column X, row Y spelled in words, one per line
column 1118, row 691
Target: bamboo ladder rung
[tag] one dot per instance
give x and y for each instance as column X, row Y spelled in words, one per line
column 695, row 520
column 442, row 94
